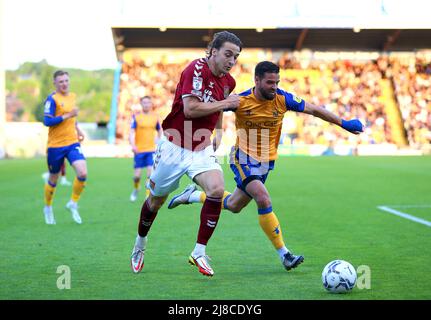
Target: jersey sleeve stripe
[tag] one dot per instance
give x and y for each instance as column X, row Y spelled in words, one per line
column 245, row 93
column 191, row 95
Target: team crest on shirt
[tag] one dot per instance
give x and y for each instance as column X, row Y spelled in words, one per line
column 47, row 106
column 226, row 91
column 197, row 83
column 275, row 113
column 297, row 99
column 248, row 113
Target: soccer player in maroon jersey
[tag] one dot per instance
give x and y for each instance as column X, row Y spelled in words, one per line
column 202, row 94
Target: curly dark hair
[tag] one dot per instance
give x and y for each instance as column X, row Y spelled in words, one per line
column 220, row 38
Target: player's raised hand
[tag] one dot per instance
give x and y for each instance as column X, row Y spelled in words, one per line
column 71, row 114
column 74, row 112
column 354, row 126
column 232, row 102
column 81, row 135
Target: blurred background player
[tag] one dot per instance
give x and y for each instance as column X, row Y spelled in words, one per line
column 186, row 148
column 63, row 143
column 259, row 120
column 145, row 129
column 63, row 177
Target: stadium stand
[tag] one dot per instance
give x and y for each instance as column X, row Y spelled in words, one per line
column 390, row 93
column 411, row 80
column 382, row 76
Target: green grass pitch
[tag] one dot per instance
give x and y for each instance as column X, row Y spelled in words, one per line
column 326, row 207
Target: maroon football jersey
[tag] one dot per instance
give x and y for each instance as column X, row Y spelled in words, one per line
column 196, row 80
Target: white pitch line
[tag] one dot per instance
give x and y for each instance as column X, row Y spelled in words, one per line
column 405, row 215
column 410, row 206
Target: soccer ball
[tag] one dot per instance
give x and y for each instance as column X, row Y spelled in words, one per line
column 339, row 276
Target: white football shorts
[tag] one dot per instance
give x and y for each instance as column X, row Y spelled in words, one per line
column 171, row 162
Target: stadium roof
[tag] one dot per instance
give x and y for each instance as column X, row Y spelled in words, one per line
column 329, row 39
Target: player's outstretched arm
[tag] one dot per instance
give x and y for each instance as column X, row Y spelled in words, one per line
column 354, row 126
column 194, row 108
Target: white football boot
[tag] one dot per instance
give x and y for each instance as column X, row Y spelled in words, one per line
column 64, row 181
column 202, row 264
column 134, row 195
column 137, row 260
column 183, row 197
column 73, row 208
column 49, row 215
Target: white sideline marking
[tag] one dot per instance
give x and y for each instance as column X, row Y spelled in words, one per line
column 405, row 215
column 411, row 206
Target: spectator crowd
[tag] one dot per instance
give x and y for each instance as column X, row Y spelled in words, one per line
column 349, row 88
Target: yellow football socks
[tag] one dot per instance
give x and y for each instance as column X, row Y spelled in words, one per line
column 147, row 189
column 49, row 193
column 203, row 197
column 224, row 200
column 269, row 223
column 137, row 183
column 77, row 188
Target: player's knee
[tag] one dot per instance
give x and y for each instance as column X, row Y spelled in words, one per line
column 53, row 178
column 216, row 191
column 154, row 207
column 155, row 203
column 235, row 208
column 82, row 176
column 263, row 201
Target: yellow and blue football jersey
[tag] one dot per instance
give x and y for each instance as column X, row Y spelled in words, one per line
column 258, row 123
column 146, row 126
column 64, row 133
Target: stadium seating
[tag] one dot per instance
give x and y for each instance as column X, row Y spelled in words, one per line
column 390, row 94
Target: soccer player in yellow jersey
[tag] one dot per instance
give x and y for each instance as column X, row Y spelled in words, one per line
column 63, row 142
column 259, row 121
column 144, row 131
